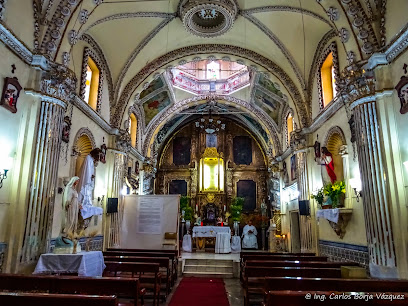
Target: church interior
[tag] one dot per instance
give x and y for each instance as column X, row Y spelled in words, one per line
column 225, row 152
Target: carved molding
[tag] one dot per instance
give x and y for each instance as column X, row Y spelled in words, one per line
column 184, row 104
column 84, row 131
column 18, row 47
column 332, row 48
column 334, row 130
column 302, row 108
column 89, row 52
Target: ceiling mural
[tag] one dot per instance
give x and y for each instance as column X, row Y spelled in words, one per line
column 155, row 105
column 269, row 85
column 269, row 105
column 258, row 128
column 153, row 86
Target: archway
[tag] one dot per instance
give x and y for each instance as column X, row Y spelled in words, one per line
column 334, row 141
column 84, row 143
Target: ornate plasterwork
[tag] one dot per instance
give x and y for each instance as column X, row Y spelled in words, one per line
column 2, row 8
column 102, row 62
column 57, row 25
column 207, row 18
column 85, row 131
column 278, row 43
column 59, row 83
column 359, row 20
column 88, row 52
column 334, row 130
column 344, row 35
column 136, row 112
column 165, row 115
column 11, row 41
column 162, row 61
column 398, row 46
column 332, row 48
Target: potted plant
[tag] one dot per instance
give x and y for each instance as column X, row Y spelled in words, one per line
column 319, row 197
column 186, row 211
column 335, row 191
column 237, row 204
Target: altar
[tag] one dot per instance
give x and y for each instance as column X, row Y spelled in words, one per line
column 222, row 234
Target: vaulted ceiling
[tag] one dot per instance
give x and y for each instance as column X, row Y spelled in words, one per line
column 139, row 39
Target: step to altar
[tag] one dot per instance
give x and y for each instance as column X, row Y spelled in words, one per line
column 208, row 268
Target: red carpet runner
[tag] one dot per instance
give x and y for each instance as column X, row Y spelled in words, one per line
column 200, row 291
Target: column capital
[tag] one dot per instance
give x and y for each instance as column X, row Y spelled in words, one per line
column 370, row 98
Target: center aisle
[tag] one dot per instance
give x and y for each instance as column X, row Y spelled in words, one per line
column 200, row 291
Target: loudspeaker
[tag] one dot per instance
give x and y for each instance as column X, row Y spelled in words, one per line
column 304, row 209
column 112, row 206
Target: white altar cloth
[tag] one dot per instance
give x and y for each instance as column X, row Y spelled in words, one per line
column 223, row 243
column 236, row 244
column 329, row 214
column 209, row 231
column 84, row 263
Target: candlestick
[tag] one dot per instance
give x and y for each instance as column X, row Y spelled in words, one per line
column 196, row 207
column 225, row 207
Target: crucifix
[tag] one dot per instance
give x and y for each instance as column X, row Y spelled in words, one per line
column 13, row 68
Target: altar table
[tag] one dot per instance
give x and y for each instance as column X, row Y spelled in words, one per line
column 222, row 233
column 84, row 263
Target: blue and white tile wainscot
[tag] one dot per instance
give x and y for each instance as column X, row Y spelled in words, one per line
column 337, row 251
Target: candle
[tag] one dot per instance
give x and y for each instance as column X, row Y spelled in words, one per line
column 225, row 207
column 196, row 207
column 201, row 223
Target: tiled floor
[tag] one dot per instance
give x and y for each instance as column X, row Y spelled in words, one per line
column 235, row 292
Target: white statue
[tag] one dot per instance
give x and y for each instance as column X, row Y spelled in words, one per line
column 87, row 185
column 249, row 233
column 70, row 207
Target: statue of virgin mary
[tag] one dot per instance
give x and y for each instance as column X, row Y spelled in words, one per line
column 70, row 207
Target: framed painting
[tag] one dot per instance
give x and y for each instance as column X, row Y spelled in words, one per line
column 242, row 150
column 247, row 189
column 11, row 92
column 181, row 151
column 178, row 187
column 402, row 90
column 293, row 167
column 102, row 156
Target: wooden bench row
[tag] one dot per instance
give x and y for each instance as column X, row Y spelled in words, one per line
column 73, row 285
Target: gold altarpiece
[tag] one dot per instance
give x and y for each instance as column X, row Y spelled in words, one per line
column 211, row 175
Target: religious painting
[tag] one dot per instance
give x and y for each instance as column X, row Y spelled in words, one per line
column 181, row 151
column 211, row 140
column 154, row 85
column 247, row 189
column 242, row 150
column 293, row 167
column 269, row 85
column 11, row 92
column 178, row 187
column 317, row 149
column 155, row 105
column 102, row 155
column 66, row 128
column 402, row 90
column 268, row 105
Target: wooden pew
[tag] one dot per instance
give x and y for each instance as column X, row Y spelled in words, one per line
column 275, row 253
column 298, row 263
column 271, row 256
column 138, row 269
column 297, row 298
column 46, row 299
column 128, row 288
column 328, row 284
column 254, row 277
column 162, row 261
column 172, row 257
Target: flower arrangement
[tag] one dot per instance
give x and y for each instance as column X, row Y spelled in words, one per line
column 334, row 191
column 319, row 196
column 236, row 208
column 184, row 206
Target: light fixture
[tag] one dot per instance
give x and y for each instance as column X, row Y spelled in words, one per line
column 406, row 164
column 210, row 125
column 355, row 183
column 6, row 163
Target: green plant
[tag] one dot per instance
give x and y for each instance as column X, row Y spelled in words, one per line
column 184, row 205
column 236, row 208
column 319, row 196
column 334, row 191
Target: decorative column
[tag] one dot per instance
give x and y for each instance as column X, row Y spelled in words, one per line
column 57, row 86
column 358, row 89
column 376, row 192
column 298, row 143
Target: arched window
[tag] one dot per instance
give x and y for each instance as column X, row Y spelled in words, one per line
column 133, row 129
column 213, row 71
column 91, row 83
column 289, row 128
column 327, row 73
